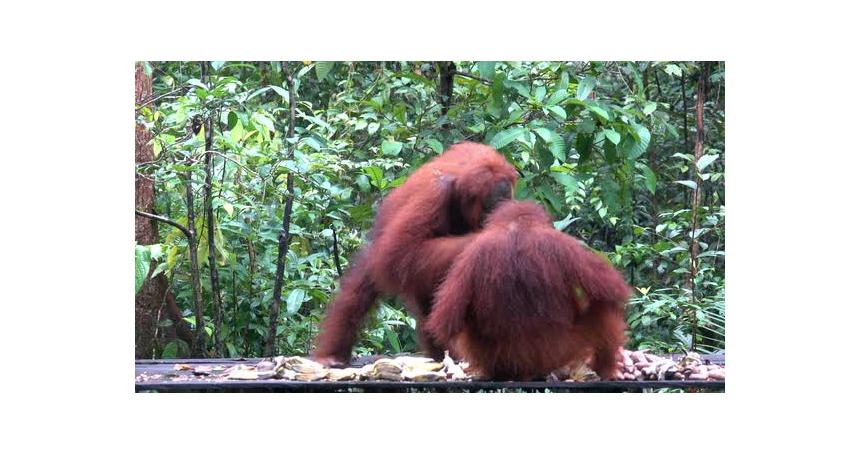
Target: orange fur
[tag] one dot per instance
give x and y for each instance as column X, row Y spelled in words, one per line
column 419, row 229
column 524, row 299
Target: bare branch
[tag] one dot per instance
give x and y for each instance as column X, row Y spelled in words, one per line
column 152, row 100
column 472, row 76
column 166, row 221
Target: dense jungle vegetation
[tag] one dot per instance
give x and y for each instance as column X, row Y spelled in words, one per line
column 627, row 156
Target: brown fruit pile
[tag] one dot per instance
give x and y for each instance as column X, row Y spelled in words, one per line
column 644, row 366
column 633, row 366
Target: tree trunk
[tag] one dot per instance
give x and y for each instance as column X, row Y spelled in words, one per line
column 652, row 163
column 335, row 252
column 252, row 295
column 210, row 225
column 154, row 302
column 199, row 346
column 446, row 84
column 686, row 128
column 698, row 151
column 210, row 237
column 284, row 237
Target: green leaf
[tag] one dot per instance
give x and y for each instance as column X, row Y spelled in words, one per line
column 171, row 350
column 586, row 85
column 650, row 178
column 232, row 120
column 566, row 180
column 562, row 83
column 542, row 155
column 688, row 183
column 544, row 133
column 141, row 266
column 673, row 69
column 597, row 110
column 237, row 131
column 363, row 183
column 650, row 107
column 322, row 69
column 548, row 194
column 556, row 98
column 583, row 146
column 196, row 82
column 372, row 128
column 558, row 111
column 498, row 90
column 280, row 91
column 612, row 135
column 304, row 71
column 644, row 139
column 554, row 141
column 521, row 87
column 393, row 340
column 540, row 93
column 391, row 148
column 316, row 121
column 706, row 161
column 505, row 137
column 220, row 249
column 261, row 119
column 628, row 143
column 610, row 195
column 295, row 300
column 361, row 213
column 228, row 207
column 397, row 182
column 487, row 70
column 585, row 126
column 609, row 151
column 435, row 145
column 377, row 177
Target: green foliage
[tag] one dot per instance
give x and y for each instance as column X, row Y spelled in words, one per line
column 141, row 266
column 599, row 144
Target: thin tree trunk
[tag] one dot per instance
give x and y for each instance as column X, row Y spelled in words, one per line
column 284, row 237
column 684, row 107
column 199, row 346
column 645, row 79
column 336, row 253
column 252, row 268
column 155, row 291
column 446, row 84
column 686, row 139
column 235, row 318
column 652, row 163
column 698, row 151
column 209, row 218
column 210, row 237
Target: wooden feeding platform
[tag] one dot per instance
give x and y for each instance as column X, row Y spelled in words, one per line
column 184, row 375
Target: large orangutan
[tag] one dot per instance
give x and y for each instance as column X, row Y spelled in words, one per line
column 419, row 229
column 524, row 299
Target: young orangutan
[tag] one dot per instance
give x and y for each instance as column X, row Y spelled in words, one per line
column 524, row 299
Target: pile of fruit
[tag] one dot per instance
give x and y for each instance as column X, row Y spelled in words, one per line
column 633, row 366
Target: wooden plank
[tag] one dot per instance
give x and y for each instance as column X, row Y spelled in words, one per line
column 279, row 385
column 189, row 383
column 717, row 359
